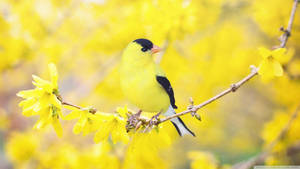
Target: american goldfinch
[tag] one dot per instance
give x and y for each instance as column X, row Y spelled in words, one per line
column 145, row 84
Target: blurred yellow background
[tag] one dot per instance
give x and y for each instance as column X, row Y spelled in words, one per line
column 208, row 45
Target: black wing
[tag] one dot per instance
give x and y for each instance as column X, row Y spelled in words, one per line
column 165, row 83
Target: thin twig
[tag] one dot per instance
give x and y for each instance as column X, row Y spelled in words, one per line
column 233, row 88
column 72, row 105
column 287, row 31
column 58, row 96
column 90, row 109
column 263, row 155
column 284, row 37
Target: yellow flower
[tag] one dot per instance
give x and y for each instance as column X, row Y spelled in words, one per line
column 114, row 125
column 154, row 139
column 43, row 101
column 270, row 65
column 144, row 148
column 87, row 122
column 122, row 111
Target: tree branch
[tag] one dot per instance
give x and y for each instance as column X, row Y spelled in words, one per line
column 232, row 88
column 287, row 31
column 254, row 71
column 90, row 109
column 284, row 37
column 136, row 121
column 72, row 105
column 58, row 96
column 263, row 155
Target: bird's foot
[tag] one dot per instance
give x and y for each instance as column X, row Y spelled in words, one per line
column 154, row 119
column 152, row 122
column 134, row 121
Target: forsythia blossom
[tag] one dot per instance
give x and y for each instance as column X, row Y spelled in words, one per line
column 87, row 121
column 270, row 66
column 114, row 125
column 43, row 101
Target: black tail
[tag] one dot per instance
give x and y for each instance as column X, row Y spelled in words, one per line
column 181, row 127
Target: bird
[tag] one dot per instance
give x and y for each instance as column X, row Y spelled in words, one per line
column 145, row 84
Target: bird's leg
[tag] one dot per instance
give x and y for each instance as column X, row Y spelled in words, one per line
column 133, row 121
column 138, row 114
column 155, row 117
column 139, row 123
column 153, row 121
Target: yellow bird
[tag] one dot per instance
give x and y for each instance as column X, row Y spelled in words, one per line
column 145, row 84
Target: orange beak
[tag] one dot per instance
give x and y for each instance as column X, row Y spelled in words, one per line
column 155, row 49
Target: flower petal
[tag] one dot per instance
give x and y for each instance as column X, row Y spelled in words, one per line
column 57, row 126
column 73, row 115
column 77, row 128
column 53, row 74
column 41, row 83
column 286, row 57
column 119, row 133
column 265, row 68
column 54, row 100
column 103, row 132
column 122, row 111
column 264, row 52
column 278, row 53
column 27, row 93
column 277, row 69
column 88, row 127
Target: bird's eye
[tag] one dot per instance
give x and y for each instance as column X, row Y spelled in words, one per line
column 144, row 49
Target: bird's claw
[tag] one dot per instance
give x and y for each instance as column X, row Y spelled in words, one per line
column 133, row 121
column 152, row 122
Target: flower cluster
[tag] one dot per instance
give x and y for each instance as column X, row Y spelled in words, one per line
column 46, row 102
column 43, row 101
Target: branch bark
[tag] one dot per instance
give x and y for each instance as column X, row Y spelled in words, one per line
column 284, row 37
column 233, row 88
column 260, row 158
column 287, row 31
column 90, row 109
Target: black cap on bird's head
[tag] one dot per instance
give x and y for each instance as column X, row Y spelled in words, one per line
column 147, row 45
